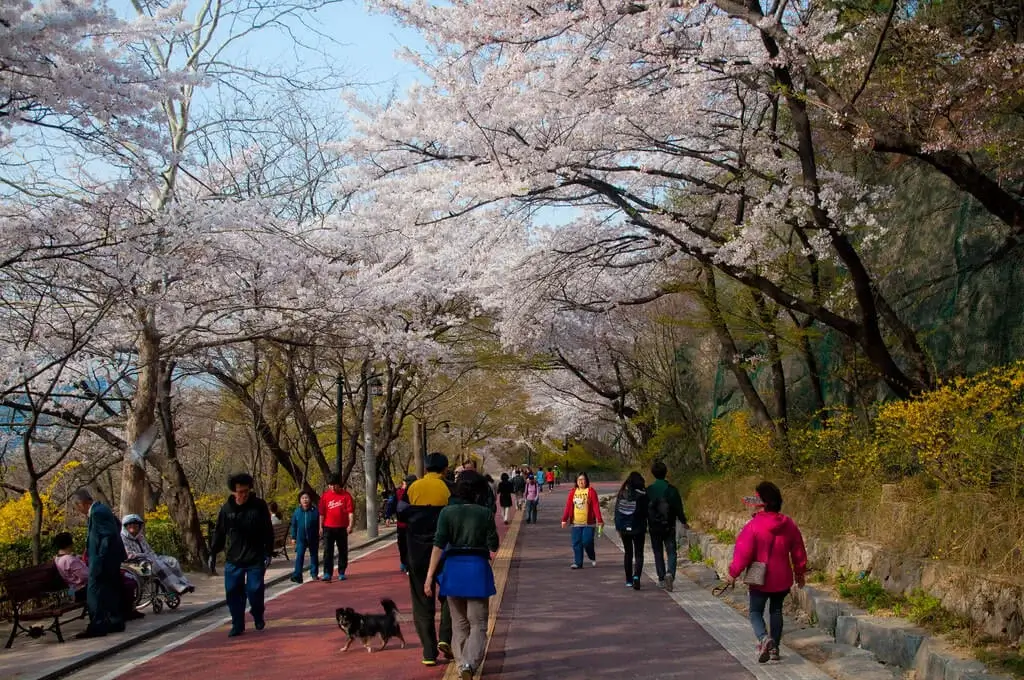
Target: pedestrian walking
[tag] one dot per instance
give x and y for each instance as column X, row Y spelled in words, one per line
column 584, row 511
column 466, row 536
column 532, row 496
column 505, row 496
column 549, row 477
column 664, row 510
column 519, row 487
column 770, row 548
column 426, row 498
column 243, row 526
column 631, row 523
column 305, row 531
column 558, row 476
column 104, row 554
column 336, row 508
column 401, row 532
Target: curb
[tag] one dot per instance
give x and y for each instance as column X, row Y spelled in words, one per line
column 170, row 625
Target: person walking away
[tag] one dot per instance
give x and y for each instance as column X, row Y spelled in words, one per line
column 505, row 496
column 426, row 498
column 532, row 499
column 165, row 567
column 466, row 536
column 243, row 526
column 549, row 477
column 774, row 540
column 104, row 555
column 519, row 488
column 664, row 509
column 401, row 531
column 631, row 523
column 558, row 476
column 305, row 531
column 336, row 508
column 584, row 511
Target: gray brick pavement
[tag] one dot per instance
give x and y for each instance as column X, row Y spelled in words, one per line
column 728, row 627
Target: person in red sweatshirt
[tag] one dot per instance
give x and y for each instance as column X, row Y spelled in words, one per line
column 336, row 508
column 584, row 511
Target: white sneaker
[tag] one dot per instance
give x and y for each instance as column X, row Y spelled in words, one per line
column 593, row 563
column 574, row 566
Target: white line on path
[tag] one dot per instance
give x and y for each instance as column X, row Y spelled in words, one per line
column 727, row 626
column 131, row 665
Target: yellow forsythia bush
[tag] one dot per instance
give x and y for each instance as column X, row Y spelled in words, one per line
column 965, row 434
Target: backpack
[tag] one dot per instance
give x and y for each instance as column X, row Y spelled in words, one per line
column 627, row 518
column 659, row 516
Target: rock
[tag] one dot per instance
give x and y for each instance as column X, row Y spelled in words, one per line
column 846, row 630
column 935, row 661
column 859, row 664
column 893, row 641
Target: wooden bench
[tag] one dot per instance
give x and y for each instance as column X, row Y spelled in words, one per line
column 37, row 594
column 280, row 540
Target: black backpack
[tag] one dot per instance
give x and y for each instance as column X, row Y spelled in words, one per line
column 659, row 516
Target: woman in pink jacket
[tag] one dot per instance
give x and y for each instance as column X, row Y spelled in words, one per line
column 774, row 539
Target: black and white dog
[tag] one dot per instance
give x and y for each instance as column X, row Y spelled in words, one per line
column 366, row 626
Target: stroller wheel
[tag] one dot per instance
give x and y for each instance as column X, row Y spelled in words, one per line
column 173, row 600
column 158, row 605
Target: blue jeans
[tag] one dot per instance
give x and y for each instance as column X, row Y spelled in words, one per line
column 241, row 583
column 531, row 512
column 582, row 539
column 300, row 558
column 758, row 600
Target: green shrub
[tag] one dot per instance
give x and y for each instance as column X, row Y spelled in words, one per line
column 165, row 538
column 694, row 553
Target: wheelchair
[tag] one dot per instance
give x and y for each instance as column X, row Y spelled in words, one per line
column 149, row 591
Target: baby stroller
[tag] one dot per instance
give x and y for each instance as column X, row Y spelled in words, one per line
column 150, row 591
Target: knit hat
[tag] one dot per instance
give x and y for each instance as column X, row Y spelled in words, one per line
column 130, row 519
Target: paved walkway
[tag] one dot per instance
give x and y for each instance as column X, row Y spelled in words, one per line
column 548, row 621
column 44, row 657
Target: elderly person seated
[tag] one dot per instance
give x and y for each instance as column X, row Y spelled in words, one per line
column 165, row 567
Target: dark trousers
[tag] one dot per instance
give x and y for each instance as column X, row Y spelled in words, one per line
column 758, row 600
column 103, row 600
column 335, row 537
column 424, row 610
column 301, row 546
column 403, row 547
column 531, row 512
column 664, row 546
column 243, row 583
column 633, row 549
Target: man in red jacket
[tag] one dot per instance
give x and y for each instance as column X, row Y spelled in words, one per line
column 336, row 508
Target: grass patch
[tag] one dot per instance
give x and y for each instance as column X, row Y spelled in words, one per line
column 1001, row 659
column 694, row 554
column 866, row 592
column 725, row 536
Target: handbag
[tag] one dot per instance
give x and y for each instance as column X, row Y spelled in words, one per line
column 757, row 571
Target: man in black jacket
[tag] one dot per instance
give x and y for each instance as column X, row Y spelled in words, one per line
column 244, row 524
column 426, row 498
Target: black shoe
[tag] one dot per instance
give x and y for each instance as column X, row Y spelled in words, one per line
column 90, row 633
column 235, row 632
column 116, row 627
column 296, row 579
column 133, row 615
column 446, row 650
column 260, row 624
column 636, row 583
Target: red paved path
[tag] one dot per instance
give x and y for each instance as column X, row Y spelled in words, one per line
column 559, row 623
column 302, row 639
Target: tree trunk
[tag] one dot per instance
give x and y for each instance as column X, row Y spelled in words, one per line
column 141, row 418
column 37, row 521
column 178, row 494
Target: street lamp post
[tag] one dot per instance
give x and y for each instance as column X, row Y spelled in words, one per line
column 375, row 388
column 421, row 443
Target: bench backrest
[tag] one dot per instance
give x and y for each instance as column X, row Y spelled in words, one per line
column 280, row 534
column 29, row 583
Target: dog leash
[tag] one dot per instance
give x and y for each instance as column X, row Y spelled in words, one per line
column 722, row 589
